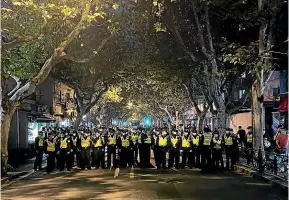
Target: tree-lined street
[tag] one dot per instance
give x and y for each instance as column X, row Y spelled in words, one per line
column 135, row 184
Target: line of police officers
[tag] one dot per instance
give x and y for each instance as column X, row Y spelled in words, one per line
column 122, row 148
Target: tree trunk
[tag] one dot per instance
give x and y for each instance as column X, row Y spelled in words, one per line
column 257, row 118
column 77, row 121
column 201, row 120
column 9, row 108
column 221, row 120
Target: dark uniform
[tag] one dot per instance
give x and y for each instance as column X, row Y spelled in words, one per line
column 162, row 144
column 126, row 148
column 97, row 144
column 206, row 150
column 84, row 145
column 186, row 150
column 75, row 153
column 155, row 147
column 50, row 151
column 38, row 151
column 174, row 151
column 217, row 151
column 196, row 151
column 147, row 140
column 134, row 138
column 111, row 150
column 229, row 149
column 64, row 144
column 249, row 145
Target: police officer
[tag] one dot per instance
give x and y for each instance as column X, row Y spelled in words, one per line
column 147, row 140
column 50, row 151
column 174, row 150
column 141, row 146
column 186, row 149
column 217, row 150
column 162, row 143
column 249, row 144
column 206, row 150
column 195, row 148
column 84, row 145
column 134, row 138
column 75, row 153
column 111, row 150
column 39, row 140
column 126, row 148
column 97, row 151
column 64, row 145
column 229, row 151
column 155, row 146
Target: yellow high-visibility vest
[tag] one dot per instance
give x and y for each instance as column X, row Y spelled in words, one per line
column 112, row 140
column 207, row 139
column 139, row 139
column 85, row 142
column 148, row 140
column 196, row 140
column 40, row 143
column 124, row 142
column 228, row 140
column 163, row 142
column 74, row 141
column 98, row 143
column 174, row 141
column 50, row 146
column 134, row 138
column 63, row 144
column 217, row 144
column 185, row 142
column 250, row 138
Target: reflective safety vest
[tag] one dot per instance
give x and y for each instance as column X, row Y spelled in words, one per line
column 174, row 141
column 196, row 140
column 228, row 140
column 85, row 142
column 185, row 142
column 163, row 142
column 124, row 142
column 250, row 138
column 98, row 143
column 134, row 138
column 112, row 140
column 50, row 146
column 148, row 140
column 40, row 143
column 74, row 141
column 217, row 144
column 139, row 139
column 63, row 144
column 207, row 139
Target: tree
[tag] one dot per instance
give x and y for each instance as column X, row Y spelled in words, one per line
column 43, row 29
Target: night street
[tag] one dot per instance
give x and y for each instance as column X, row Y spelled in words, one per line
column 142, row 184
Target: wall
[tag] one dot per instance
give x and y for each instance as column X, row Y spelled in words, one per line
column 23, row 131
column 241, row 119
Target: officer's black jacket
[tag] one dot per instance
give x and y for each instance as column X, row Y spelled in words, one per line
column 37, row 147
column 170, row 144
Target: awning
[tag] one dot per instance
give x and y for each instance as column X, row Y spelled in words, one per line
column 283, row 107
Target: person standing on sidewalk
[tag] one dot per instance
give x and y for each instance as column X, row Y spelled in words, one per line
column 97, row 151
column 186, row 150
column 111, row 149
column 217, row 151
column 39, row 140
column 174, row 150
column 50, row 150
column 196, row 149
column 64, row 144
column 162, row 142
column 84, row 146
column 228, row 143
column 249, row 145
column 242, row 136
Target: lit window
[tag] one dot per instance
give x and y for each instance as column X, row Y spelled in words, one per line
column 241, row 93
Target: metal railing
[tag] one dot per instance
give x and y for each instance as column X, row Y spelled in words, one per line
column 265, row 162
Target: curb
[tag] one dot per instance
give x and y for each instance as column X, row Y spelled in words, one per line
column 275, row 184
column 14, row 176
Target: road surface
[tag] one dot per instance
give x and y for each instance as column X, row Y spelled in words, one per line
column 139, row 184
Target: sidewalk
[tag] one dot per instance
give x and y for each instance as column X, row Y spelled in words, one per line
column 22, row 170
column 279, row 185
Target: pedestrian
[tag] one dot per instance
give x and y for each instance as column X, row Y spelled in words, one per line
column 174, row 150
column 242, row 136
column 39, row 140
column 50, row 151
column 249, row 145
